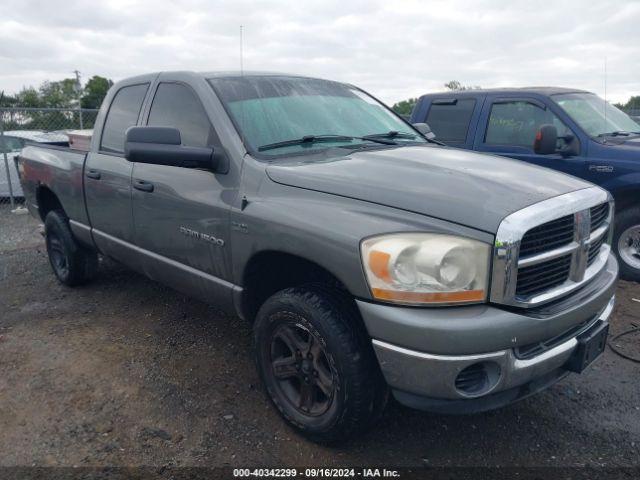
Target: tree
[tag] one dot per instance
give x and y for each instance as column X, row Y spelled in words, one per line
column 7, row 100
column 632, row 104
column 405, row 107
column 455, row 85
column 63, row 94
column 94, row 91
column 27, row 97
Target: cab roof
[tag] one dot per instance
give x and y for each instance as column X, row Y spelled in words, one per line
column 545, row 91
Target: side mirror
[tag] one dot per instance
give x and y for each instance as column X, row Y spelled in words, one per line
column 425, row 130
column 546, row 140
column 163, row 146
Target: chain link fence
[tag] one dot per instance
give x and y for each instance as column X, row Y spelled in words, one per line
column 20, row 126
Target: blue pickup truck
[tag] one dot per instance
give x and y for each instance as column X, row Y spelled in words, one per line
column 569, row 130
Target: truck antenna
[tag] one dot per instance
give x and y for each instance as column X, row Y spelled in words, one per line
column 241, row 53
column 605, row 93
column 241, row 76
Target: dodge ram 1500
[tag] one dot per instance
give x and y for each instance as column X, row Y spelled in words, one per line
column 368, row 258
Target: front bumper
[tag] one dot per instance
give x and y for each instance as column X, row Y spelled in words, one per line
column 429, row 380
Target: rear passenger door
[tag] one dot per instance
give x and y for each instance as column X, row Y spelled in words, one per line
column 509, row 127
column 108, row 175
column 453, row 119
column 181, row 214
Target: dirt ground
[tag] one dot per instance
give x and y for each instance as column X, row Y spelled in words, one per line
column 126, row 372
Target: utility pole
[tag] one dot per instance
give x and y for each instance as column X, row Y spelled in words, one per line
column 79, row 91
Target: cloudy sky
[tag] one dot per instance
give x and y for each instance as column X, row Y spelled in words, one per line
column 394, row 49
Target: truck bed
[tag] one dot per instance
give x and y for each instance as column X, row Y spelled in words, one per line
column 58, row 169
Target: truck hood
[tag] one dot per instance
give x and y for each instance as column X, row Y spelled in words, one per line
column 627, row 148
column 470, row 189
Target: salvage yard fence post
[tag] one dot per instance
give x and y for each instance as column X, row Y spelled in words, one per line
column 6, row 166
column 22, row 125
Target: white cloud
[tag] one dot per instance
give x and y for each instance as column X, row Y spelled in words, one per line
column 393, row 49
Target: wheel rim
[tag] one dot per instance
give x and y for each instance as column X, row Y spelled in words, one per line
column 629, row 246
column 301, row 368
column 57, row 255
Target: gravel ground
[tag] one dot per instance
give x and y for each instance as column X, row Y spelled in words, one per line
column 126, row 372
column 17, row 230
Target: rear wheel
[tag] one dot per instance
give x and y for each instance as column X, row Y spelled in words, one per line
column 626, row 243
column 316, row 364
column 71, row 262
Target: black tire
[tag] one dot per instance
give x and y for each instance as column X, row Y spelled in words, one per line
column 326, row 322
column 71, row 263
column 627, row 236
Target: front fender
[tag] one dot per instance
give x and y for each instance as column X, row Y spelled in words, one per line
column 625, row 190
column 323, row 228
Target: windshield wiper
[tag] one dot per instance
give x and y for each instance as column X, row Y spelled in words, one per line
column 311, row 139
column 390, row 134
column 395, row 134
column 618, row 133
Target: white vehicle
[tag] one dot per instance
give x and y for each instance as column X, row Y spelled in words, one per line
column 11, row 143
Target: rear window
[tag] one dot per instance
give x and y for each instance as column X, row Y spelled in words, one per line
column 123, row 113
column 449, row 120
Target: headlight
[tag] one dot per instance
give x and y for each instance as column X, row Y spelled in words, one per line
column 425, row 268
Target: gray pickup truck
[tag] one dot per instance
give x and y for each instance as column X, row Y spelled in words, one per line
column 367, row 258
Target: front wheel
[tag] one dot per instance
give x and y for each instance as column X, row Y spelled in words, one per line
column 316, row 364
column 626, row 242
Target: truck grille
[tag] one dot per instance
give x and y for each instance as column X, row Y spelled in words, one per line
column 547, row 236
column 594, row 250
column 562, row 251
column 599, row 215
column 542, row 276
column 526, row 352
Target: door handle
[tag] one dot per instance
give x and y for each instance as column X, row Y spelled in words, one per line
column 143, row 185
column 95, row 174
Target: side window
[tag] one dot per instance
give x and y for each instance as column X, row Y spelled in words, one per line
column 123, row 113
column 450, row 120
column 516, row 123
column 175, row 105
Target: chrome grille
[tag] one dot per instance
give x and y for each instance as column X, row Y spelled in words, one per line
column 551, row 248
column 541, row 276
column 545, row 237
column 599, row 215
column 594, row 250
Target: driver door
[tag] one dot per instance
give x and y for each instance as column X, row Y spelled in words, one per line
column 511, row 125
column 180, row 215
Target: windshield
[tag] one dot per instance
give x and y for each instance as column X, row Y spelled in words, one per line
column 588, row 111
column 278, row 115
